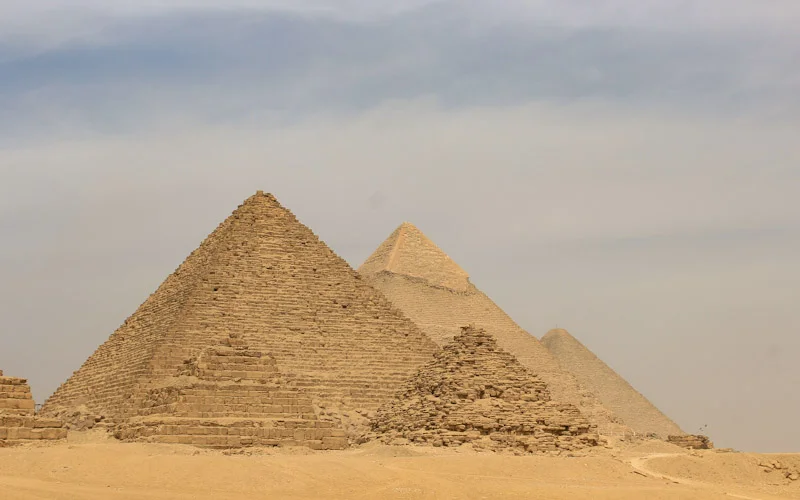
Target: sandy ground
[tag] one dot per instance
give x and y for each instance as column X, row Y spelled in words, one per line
column 94, row 467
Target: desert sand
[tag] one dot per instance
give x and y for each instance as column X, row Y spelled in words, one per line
column 94, row 466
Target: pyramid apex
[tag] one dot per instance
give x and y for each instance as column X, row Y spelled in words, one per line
column 557, row 332
column 407, row 251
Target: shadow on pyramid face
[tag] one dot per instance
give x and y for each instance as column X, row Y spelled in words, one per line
column 475, row 392
column 267, row 279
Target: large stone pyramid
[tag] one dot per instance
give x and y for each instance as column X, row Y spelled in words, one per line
column 474, row 392
column 432, row 290
column 18, row 419
column 266, row 280
column 615, row 393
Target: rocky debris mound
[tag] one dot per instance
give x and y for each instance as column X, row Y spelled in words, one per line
column 691, row 441
column 474, row 392
column 18, row 420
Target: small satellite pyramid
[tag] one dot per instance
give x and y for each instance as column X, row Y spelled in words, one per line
column 432, row 290
column 615, row 393
column 474, row 392
column 264, row 285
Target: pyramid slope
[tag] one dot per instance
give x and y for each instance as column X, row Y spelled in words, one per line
column 409, row 252
column 441, row 312
column 473, row 391
column 265, row 277
column 614, row 391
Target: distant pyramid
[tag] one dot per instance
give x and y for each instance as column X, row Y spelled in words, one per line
column 474, row 392
column 613, row 390
column 410, row 253
column 265, row 279
column 432, row 290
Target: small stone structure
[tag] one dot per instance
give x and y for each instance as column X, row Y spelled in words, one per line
column 230, row 396
column 18, row 421
column 474, row 392
column 691, row 441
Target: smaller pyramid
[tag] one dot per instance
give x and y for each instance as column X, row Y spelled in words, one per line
column 475, row 392
column 409, row 252
column 614, row 391
column 18, row 420
column 226, row 397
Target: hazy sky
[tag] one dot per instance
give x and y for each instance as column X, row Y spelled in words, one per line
column 628, row 170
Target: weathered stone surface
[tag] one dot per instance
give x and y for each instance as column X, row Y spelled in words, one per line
column 266, row 279
column 18, row 421
column 229, row 396
column 692, row 441
column 432, row 290
column 475, row 392
column 614, row 391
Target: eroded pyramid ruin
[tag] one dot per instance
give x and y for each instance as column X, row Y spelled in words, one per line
column 265, row 280
column 431, row 289
column 475, row 392
column 614, row 391
column 18, row 419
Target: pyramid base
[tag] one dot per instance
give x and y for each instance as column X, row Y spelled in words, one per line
column 225, row 433
column 17, row 429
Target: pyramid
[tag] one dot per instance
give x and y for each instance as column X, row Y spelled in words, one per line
column 229, row 396
column 432, row 290
column 18, row 419
column 474, row 392
column 615, row 393
column 264, row 279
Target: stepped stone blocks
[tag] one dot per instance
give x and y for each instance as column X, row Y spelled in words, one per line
column 432, row 290
column 691, row 441
column 474, row 392
column 615, row 393
column 230, row 396
column 18, row 421
column 266, row 279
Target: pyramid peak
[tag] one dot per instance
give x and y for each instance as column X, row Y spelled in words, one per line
column 557, row 332
column 262, row 196
column 407, row 251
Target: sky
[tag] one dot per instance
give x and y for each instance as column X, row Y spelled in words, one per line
column 628, row 170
